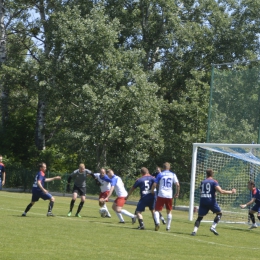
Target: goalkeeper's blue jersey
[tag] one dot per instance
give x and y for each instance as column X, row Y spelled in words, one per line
column 256, row 195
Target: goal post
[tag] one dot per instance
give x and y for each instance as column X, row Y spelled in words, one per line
column 233, row 166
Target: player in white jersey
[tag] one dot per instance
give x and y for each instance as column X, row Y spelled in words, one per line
column 119, row 187
column 104, row 189
column 164, row 181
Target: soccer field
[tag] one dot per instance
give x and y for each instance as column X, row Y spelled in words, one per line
column 92, row 237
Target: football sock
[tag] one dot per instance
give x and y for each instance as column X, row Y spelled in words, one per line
column 80, row 207
column 216, row 220
column 169, row 220
column 252, row 217
column 119, row 215
column 28, row 207
column 105, row 206
column 141, row 222
column 156, row 217
column 50, row 206
column 258, row 217
column 127, row 213
column 197, row 222
column 72, row 204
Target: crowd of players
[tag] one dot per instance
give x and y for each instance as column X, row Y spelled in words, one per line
column 156, row 192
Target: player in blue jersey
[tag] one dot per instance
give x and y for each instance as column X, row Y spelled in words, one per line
column 147, row 199
column 118, row 185
column 38, row 190
column 208, row 189
column 2, row 173
column 164, row 181
column 255, row 199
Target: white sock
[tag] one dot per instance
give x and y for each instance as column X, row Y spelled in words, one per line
column 214, row 225
column 127, row 213
column 169, row 220
column 156, row 216
column 105, row 206
column 195, row 229
column 119, row 215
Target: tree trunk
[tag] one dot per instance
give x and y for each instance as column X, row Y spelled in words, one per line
column 5, row 92
column 42, row 102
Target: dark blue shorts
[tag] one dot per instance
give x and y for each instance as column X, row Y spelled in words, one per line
column 205, row 208
column 147, row 201
column 256, row 208
column 36, row 195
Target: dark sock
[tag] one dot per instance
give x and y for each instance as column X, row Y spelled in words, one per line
column 141, row 222
column 197, row 222
column 80, row 207
column 28, row 207
column 252, row 217
column 50, row 206
column 72, row 204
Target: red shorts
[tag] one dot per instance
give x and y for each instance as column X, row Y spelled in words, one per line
column 103, row 195
column 160, row 202
column 120, row 201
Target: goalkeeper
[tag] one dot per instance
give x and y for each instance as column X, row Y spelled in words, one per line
column 79, row 178
column 208, row 188
column 255, row 199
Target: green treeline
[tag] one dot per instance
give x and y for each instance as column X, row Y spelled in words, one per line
column 116, row 83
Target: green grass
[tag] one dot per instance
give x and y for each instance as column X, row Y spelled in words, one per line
column 92, row 237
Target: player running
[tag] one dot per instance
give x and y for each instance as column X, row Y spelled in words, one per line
column 104, row 188
column 79, row 177
column 38, row 190
column 147, row 199
column 165, row 181
column 118, row 185
column 208, row 188
column 157, row 171
column 255, row 199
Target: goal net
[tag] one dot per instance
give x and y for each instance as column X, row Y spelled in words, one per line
column 233, row 166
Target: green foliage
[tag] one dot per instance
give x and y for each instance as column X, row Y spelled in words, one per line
column 235, row 107
column 119, row 83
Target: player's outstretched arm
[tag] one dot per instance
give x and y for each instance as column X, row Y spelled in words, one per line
column 53, row 179
column 218, row 188
column 242, row 206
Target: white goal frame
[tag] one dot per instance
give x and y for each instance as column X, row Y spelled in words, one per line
column 194, row 164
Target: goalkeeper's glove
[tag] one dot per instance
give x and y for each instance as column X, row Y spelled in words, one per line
column 68, row 187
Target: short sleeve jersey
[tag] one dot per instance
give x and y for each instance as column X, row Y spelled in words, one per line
column 256, row 195
column 144, row 183
column 79, row 178
column 105, row 185
column 117, row 182
column 208, row 190
column 2, row 169
column 40, row 176
column 165, row 180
